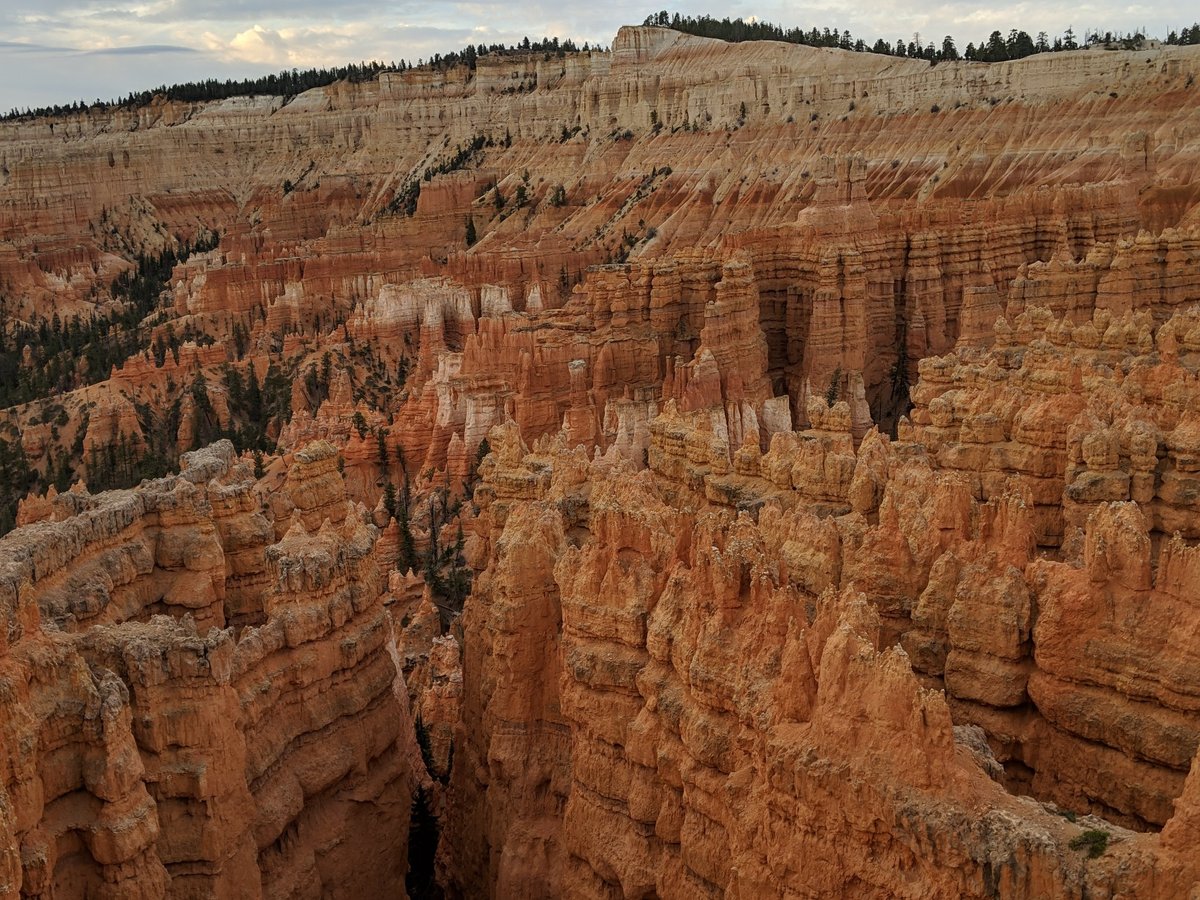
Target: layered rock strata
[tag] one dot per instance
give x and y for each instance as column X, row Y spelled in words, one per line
column 884, row 207
column 150, row 750
column 689, row 607
column 726, row 637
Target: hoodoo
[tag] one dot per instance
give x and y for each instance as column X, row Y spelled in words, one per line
column 690, row 469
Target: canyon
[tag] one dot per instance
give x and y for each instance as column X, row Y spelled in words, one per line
column 685, row 470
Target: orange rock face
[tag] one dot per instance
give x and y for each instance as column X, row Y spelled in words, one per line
column 826, row 454
column 151, row 752
column 735, row 694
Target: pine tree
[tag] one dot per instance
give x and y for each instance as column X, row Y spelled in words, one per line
column 407, row 560
column 254, row 399
column 471, row 237
column 326, row 374
column 835, row 385
column 381, row 449
column 389, row 499
column 422, row 848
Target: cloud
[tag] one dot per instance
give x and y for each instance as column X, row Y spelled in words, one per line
column 257, row 44
column 22, row 47
column 139, row 50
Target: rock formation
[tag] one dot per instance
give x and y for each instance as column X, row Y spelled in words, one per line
column 735, row 694
column 152, row 751
column 792, row 491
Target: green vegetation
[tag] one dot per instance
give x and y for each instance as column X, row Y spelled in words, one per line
column 834, row 388
column 252, row 408
column 1185, row 36
column 381, row 449
column 399, row 506
column 1093, row 840
column 77, row 352
column 998, row 48
column 360, row 425
column 16, row 478
column 444, row 569
column 423, row 744
column 423, row 837
column 289, row 83
column 121, row 465
column 405, row 199
column 407, row 560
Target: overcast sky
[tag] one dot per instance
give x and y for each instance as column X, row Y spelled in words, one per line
column 55, row 51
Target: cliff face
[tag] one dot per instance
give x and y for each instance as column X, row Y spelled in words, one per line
column 701, row 700
column 149, row 750
column 884, row 206
column 821, row 431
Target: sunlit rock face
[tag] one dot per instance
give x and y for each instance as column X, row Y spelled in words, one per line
column 824, row 455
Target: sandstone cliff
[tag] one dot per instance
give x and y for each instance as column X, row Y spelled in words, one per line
column 874, row 209
column 668, row 697
column 151, row 751
column 825, row 454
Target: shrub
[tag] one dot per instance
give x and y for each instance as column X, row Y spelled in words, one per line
column 1093, row 840
column 835, row 384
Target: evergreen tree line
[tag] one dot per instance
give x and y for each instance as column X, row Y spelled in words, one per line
column 253, row 408
column 16, row 478
column 291, row 82
column 998, row 48
column 125, row 462
column 1185, row 36
column 77, row 352
column 121, row 464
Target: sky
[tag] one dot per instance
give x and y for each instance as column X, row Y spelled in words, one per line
column 58, row 51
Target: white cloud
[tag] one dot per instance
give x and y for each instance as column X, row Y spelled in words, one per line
column 258, row 45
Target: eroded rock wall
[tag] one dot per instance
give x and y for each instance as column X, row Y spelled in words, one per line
column 153, row 752
column 725, row 637
column 860, row 653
